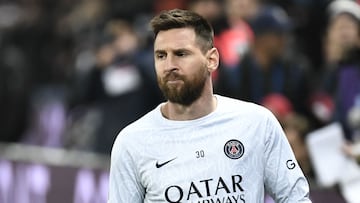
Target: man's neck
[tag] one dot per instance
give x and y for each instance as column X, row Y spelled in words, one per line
column 203, row 106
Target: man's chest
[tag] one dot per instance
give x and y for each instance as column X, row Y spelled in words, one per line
column 205, row 165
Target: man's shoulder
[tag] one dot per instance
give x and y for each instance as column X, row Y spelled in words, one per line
column 143, row 123
column 243, row 110
column 139, row 126
column 241, row 106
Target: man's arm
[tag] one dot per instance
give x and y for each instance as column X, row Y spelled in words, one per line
column 124, row 186
column 284, row 179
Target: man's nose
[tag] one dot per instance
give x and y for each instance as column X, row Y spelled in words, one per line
column 171, row 64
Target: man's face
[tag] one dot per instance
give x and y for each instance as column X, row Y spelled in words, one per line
column 180, row 65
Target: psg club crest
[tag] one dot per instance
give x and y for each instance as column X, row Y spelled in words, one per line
column 234, row 149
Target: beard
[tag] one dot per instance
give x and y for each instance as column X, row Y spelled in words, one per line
column 188, row 91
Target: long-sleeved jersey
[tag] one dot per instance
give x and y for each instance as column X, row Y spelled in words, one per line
column 235, row 154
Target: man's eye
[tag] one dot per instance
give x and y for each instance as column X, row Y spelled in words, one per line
column 181, row 54
column 160, row 56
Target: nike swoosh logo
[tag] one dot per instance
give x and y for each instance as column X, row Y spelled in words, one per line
column 159, row 165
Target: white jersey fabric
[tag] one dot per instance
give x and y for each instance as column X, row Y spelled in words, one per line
column 235, row 154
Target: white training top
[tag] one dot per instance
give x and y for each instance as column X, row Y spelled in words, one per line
column 231, row 155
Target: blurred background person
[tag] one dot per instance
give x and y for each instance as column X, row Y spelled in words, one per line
column 341, row 36
column 271, row 65
column 342, row 31
column 234, row 39
column 340, row 78
column 15, row 68
column 14, row 91
column 115, row 92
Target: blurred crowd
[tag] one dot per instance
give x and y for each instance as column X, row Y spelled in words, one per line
column 74, row 73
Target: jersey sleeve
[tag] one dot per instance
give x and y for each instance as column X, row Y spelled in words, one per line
column 124, row 184
column 284, row 179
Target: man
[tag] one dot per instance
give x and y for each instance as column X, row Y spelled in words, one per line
column 197, row 146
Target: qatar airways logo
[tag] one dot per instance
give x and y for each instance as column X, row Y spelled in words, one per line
column 208, row 191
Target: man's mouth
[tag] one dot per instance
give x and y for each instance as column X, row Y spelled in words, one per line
column 173, row 78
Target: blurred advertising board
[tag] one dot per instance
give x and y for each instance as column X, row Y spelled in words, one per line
column 30, row 174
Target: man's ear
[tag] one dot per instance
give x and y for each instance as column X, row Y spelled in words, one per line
column 212, row 59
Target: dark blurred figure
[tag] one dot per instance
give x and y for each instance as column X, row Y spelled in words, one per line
column 342, row 35
column 14, row 93
column 48, row 47
column 115, row 92
column 309, row 21
column 271, row 66
column 15, row 78
column 341, row 71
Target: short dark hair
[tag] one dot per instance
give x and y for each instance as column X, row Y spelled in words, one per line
column 178, row 18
